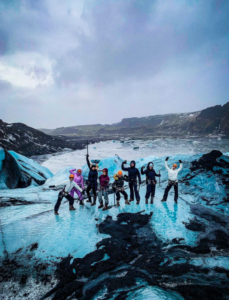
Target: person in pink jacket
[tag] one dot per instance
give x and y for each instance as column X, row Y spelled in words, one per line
column 78, row 178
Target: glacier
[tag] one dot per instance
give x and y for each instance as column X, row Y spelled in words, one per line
column 18, row 171
column 187, row 236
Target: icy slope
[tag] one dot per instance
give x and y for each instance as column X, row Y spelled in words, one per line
column 18, row 171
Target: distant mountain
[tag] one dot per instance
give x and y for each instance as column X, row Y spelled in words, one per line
column 29, row 141
column 208, row 121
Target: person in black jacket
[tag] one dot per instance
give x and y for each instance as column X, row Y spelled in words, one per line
column 150, row 181
column 118, row 187
column 92, row 181
column 133, row 173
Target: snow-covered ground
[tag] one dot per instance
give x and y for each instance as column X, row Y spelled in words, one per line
column 157, row 148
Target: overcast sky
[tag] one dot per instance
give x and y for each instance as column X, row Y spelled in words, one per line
column 65, row 62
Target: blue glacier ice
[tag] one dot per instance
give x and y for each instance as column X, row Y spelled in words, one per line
column 30, row 168
column 167, row 220
column 75, row 232
column 17, row 171
column 2, row 157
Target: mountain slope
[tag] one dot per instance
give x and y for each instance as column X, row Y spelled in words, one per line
column 210, row 120
column 29, row 141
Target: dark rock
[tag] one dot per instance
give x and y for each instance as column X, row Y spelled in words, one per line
column 195, row 225
column 24, row 278
column 34, row 246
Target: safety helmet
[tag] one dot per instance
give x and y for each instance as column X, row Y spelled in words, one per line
column 119, row 172
column 79, row 171
column 71, row 176
column 175, row 165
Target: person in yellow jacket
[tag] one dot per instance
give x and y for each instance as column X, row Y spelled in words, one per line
column 118, row 187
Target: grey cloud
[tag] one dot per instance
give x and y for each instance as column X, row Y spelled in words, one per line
column 130, row 42
column 136, row 57
column 5, row 85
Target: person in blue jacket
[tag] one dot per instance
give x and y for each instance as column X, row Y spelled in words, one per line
column 150, row 181
column 92, row 181
column 133, row 174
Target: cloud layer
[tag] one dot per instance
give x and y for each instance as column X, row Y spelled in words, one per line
column 66, row 63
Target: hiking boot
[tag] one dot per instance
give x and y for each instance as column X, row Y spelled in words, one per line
column 146, row 201
column 56, row 213
column 138, row 202
column 151, row 201
column 163, row 200
column 101, row 205
column 127, row 202
column 105, row 207
column 81, row 202
column 118, row 203
column 94, row 201
column 71, row 207
column 89, row 199
column 175, row 200
column 131, row 200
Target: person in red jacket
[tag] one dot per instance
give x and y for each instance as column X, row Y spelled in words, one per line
column 104, row 185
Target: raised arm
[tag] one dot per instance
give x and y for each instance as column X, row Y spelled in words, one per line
column 72, row 171
column 166, row 163
column 88, row 162
column 142, row 170
column 123, row 168
column 181, row 166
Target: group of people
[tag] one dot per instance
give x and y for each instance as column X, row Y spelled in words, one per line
column 75, row 184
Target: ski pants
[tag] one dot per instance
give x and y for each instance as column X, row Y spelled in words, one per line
column 61, row 195
column 134, row 190
column 89, row 188
column 104, row 193
column 80, row 195
column 123, row 193
column 150, row 190
column 168, row 188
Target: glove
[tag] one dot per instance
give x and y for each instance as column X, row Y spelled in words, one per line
column 180, row 161
column 143, row 167
column 159, row 175
column 167, row 158
column 124, row 161
column 51, row 186
column 83, row 192
column 87, row 155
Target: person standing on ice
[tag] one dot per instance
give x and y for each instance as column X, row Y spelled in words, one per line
column 104, row 185
column 150, row 181
column 78, row 179
column 173, row 181
column 133, row 173
column 118, row 187
column 92, row 181
column 65, row 193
